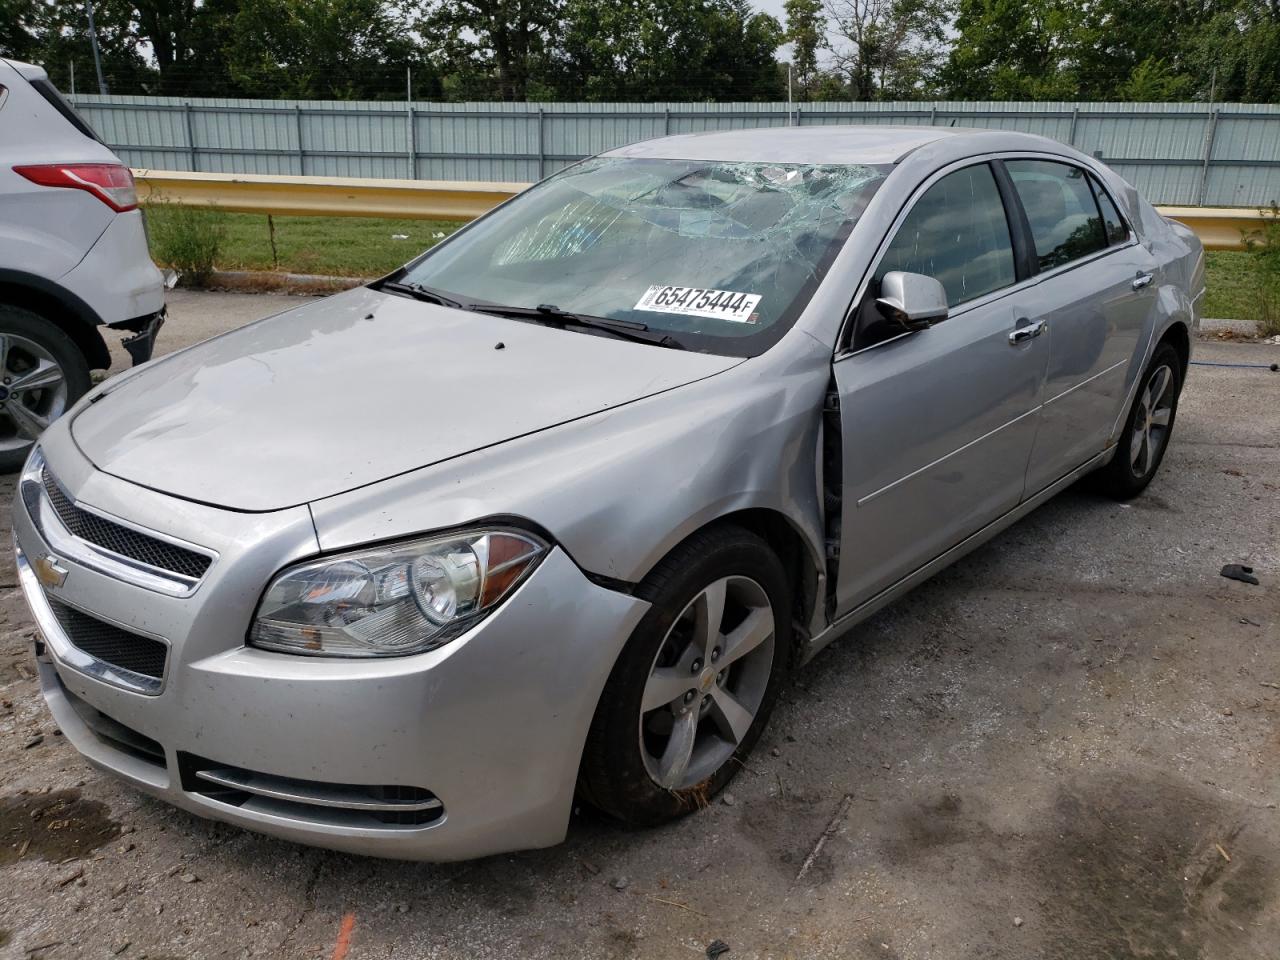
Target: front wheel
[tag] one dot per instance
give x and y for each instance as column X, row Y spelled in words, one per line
column 695, row 684
column 42, row 373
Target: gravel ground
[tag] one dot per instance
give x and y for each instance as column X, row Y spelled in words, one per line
column 1064, row 747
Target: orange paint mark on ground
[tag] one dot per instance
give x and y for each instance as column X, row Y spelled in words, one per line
column 343, row 943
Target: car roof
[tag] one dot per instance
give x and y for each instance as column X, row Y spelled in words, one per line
column 870, row 144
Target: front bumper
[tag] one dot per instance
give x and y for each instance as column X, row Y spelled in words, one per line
column 491, row 725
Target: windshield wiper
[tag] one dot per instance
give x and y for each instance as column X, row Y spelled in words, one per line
column 549, row 313
column 419, row 291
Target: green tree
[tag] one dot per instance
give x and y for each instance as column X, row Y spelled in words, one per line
column 19, row 28
column 806, row 32
column 889, row 48
column 1101, row 50
column 1237, row 56
column 653, row 50
column 1011, row 50
column 61, row 32
column 188, row 41
column 496, row 49
column 322, row 49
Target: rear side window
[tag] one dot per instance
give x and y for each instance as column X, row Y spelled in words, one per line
column 1116, row 230
column 956, row 233
column 59, row 103
column 1065, row 224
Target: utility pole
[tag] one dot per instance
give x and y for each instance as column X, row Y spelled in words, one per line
column 73, row 78
column 789, row 114
column 93, row 42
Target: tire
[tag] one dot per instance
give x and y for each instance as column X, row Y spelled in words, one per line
column 630, row 766
column 42, row 373
column 1144, row 439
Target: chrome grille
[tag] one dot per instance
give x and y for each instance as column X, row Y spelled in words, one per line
column 122, row 540
column 109, row 643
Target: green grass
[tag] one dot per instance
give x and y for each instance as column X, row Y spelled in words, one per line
column 363, row 247
column 1231, row 284
column 336, row 246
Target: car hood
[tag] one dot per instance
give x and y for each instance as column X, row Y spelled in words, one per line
column 353, row 389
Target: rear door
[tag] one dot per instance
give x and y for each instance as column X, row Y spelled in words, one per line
column 936, row 425
column 1094, row 291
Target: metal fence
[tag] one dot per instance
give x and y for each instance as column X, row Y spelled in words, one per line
column 1176, row 153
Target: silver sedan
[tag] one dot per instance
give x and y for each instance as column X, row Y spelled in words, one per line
column 556, row 509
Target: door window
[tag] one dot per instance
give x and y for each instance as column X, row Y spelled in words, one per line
column 1064, row 219
column 956, row 233
column 1117, row 232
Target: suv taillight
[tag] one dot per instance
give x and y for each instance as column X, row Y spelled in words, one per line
column 112, row 183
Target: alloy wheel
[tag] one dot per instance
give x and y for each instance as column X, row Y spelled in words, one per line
column 707, row 682
column 33, row 391
column 1152, row 421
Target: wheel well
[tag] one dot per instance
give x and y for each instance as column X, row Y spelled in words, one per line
column 83, row 331
column 1178, row 337
column 775, row 530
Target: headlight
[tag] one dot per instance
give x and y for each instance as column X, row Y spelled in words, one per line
column 395, row 600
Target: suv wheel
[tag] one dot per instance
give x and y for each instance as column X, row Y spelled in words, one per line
column 42, row 373
column 695, row 684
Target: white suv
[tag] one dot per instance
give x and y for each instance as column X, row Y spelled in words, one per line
column 73, row 257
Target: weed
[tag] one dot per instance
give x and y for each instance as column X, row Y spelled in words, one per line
column 188, row 239
column 1263, row 246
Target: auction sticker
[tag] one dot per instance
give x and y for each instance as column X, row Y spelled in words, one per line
column 701, row 302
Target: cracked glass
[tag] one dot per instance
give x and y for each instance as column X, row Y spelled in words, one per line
column 721, row 255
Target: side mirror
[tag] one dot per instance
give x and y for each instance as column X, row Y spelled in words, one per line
column 914, row 301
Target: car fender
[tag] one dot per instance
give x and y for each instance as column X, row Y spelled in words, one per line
column 1173, row 309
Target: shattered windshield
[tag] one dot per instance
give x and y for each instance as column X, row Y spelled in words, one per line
column 723, row 256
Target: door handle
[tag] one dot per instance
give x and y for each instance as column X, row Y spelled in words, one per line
column 1141, row 280
column 1027, row 330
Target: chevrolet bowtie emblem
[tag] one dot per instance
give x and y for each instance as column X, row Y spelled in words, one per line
column 50, row 572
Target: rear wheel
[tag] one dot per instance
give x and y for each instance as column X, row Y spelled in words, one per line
column 695, row 685
column 1145, row 437
column 42, row 373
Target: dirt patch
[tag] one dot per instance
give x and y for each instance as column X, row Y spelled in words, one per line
column 1131, row 867
column 52, row 826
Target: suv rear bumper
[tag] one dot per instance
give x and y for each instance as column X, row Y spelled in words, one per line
column 145, row 329
column 116, row 277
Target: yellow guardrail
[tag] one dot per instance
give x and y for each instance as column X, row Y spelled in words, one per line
column 1219, row 228
column 324, row 196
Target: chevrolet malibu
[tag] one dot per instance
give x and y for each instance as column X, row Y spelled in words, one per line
column 556, row 509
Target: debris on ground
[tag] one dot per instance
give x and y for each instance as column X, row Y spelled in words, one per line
column 838, row 818
column 716, row 947
column 1018, row 921
column 1238, row 571
column 621, row 883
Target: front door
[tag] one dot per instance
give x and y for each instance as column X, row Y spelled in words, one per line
column 937, row 425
